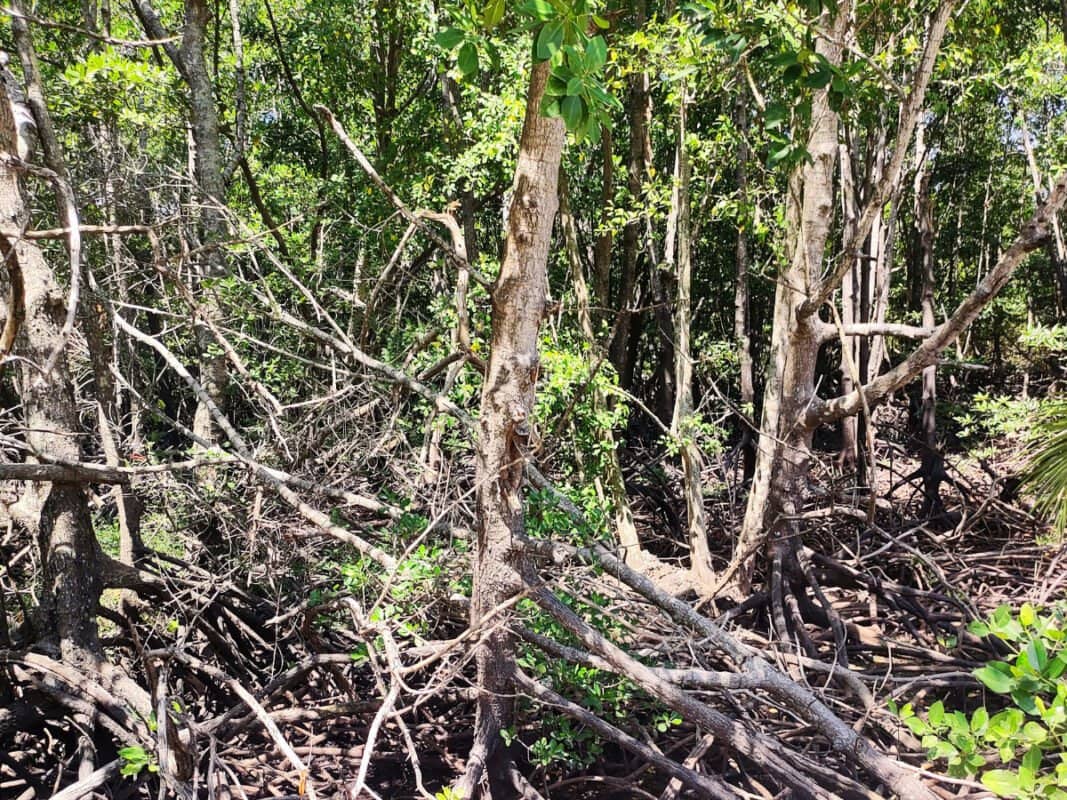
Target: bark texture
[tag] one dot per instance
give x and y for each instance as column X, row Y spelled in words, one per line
column 57, row 512
column 780, row 478
column 519, row 297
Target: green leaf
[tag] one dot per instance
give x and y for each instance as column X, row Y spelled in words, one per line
column 1001, row 782
column 1027, row 615
column 494, row 12
column 996, row 680
column 980, row 720
column 780, row 154
column 572, row 109
column 821, row 77
column 1037, row 655
column 549, row 40
column 936, row 713
column 449, row 38
column 574, row 86
column 468, row 59
column 556, row 87
column 596, row 53
column 1056, row 667
column 600, row 22
column 541, row 10
column 1034, row 732
column 775, row 116
column 1032, row 759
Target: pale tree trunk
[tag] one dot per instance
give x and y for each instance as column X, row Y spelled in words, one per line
column 504, row 425
column 682, row 422
column 792, row 411
column 780, row 479
column 849, row 453
column 932, row 465
column 191, row 63
column 625, row 529
column 58, row 513
column 127, row 503
column 742, row 323
column 211, row 197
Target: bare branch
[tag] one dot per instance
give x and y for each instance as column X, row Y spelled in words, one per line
column 909, row 117
column 1031, row 237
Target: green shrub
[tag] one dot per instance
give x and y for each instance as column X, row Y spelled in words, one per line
column 1028, row 734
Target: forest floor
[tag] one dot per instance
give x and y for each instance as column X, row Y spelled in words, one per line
column 317, row 660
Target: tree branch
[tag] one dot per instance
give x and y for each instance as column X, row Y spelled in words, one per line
column 909, row 117
column 1031, row 237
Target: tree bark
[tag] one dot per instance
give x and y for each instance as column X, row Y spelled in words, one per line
column 190, row 61
column 780, row 478
column 683, row 419
column 623, row 348
column 58, row 512
column 932, row 464
column 504, row 425
column 791, row 406
column 742, row 323
column 211, row 196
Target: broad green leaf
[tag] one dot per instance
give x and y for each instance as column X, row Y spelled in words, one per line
column 1056, row 666
column 1002, row 782
column 1027, row 615
column 995, row 679
column 596, row 53
column 494, row 12
column 1037, row 655
column 780, row 154
column 775, row 116
column 449, row 38
column 572, row 109
column 549, row 40
column 541, row 10
column 556, row 87
column 468, row 59
column 936, row 713
column 1032, row 759
column 1034, row 732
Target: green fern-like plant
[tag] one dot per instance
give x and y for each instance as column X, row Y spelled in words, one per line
column 1046, row 474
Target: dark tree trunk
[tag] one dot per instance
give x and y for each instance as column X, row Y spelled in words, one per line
column 624, row 345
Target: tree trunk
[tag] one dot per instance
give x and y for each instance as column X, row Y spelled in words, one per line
column 602, row 253
column 848, row 455
column 58, row 513
column 682, row 422
column 623, row 346
column 742, row 324
column 780, row 479
column 932, row 463
column 211, row 193
column 505, row 422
